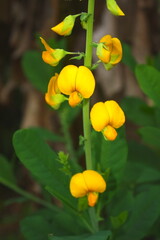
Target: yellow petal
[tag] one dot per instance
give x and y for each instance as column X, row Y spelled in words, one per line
column 116, row 54
column 92, row 198
column 48, row 58
column 99, row 116
column 67, row 79
column 65, row 27
column 78, row 187
column 74, row 99
column 103, row 54
column 107, row 40
column 110, row 133
column 47, row 47
column 85, row 82
column 116, row 114
column 52, row 90
column 94, row 181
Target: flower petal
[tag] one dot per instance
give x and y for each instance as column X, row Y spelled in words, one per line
column 65, row 27
column 92, row 198
column 78, row 187
column 85, row 82
column 67, row 79
column 99, row 116
column 116, row 114
column 94, row 181
column 74, row 99
column 116, row 54
column 109, row 133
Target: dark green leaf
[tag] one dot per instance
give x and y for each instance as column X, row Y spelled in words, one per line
column 119, row 220
column 37, row 71
column 151, row 136
column 103, row 235
column 149, row 80
column 6, row 172
column 145, row 212
column 138, row 112
column 38, row 157
column 110, row 154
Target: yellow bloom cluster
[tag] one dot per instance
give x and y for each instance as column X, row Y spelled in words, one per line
column 77, row 83
column 88, row 183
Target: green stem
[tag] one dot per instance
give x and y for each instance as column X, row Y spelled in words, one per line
column 29, row 195
column 86, row 104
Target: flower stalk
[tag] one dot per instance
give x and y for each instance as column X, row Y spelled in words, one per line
column 86, row 103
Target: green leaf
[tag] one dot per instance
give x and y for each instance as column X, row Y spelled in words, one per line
column 110, row 154
column 138, row 112
column 151, row 136
column 149, row 81
column 103, row 235
column 6, row 172
column 119, row 220
column 42, row 162
column 45, row 222
column 145, row 212
column 128, row 58
column 37, row 71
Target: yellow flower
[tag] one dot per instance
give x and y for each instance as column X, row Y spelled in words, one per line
column 52, row 56
column 53, row 96
column 77, row 82
column 65, row 27
column 88, row 183
column 109, row 51
column 106, row 117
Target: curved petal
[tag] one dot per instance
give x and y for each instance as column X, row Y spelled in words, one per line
column 107, row 40
column 116, row 114
column 110, row 133
column 116, row 54
column 67, row 79
column 78, row 187
column 94, row 181
column 102, row 53
column 47, row 47
column 48, row 58
column 99, row 116
column 85, row 82
column 92, row 198
column 74, row 99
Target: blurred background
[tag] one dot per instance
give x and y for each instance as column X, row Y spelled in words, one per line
column 22, row 103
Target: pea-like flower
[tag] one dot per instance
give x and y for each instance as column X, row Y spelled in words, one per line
column 53, row 96
column 106, row 118
column 65, row 27
column 88, row 183
column 52, row 56
column 109, row 51
column 77, row 82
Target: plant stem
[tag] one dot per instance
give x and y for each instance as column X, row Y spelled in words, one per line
column 86, row 104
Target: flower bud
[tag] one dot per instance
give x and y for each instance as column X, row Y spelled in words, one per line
column 65, row 27
column 114, row 8
column 52, row 56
